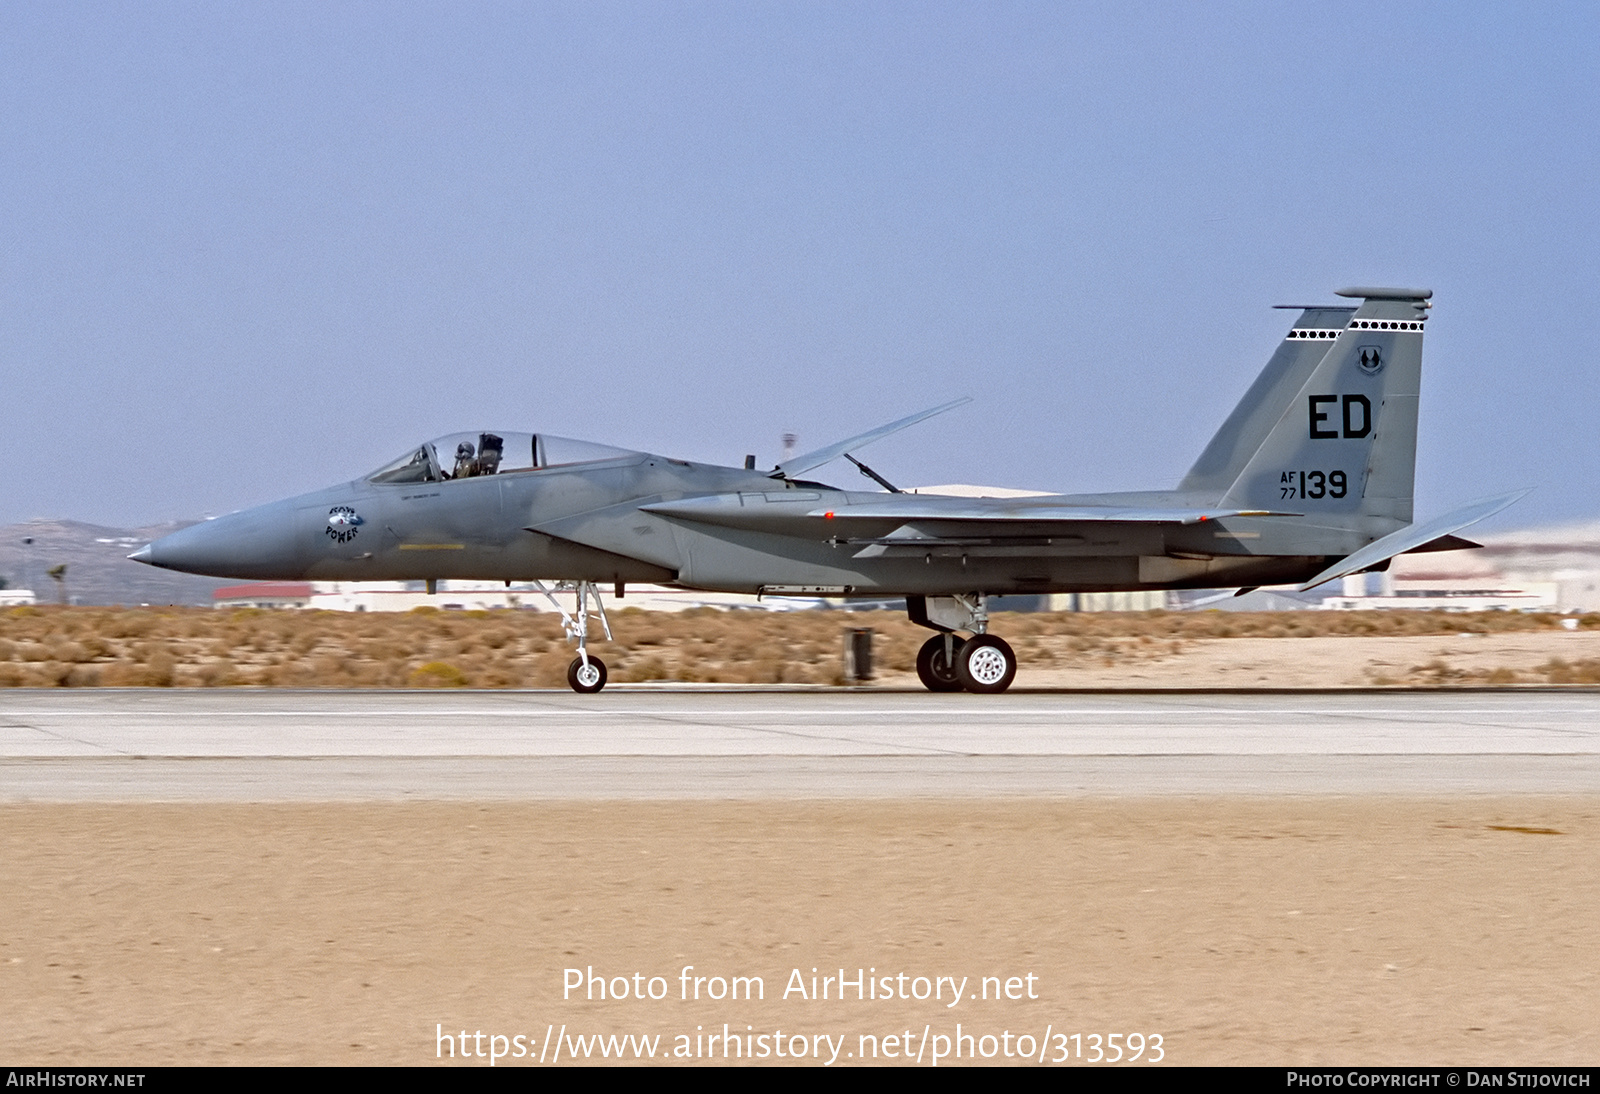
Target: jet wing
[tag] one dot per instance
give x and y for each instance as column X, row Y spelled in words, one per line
column 1413, row 536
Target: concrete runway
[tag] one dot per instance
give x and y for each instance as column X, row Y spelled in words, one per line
column 696, row 742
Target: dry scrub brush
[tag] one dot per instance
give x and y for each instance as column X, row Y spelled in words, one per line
column 198, row 647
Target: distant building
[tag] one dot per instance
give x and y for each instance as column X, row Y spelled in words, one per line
column 1437, row 598
column 402, row 596
column 1138, row 600
column 264, row 594
column 11, row 598
column 1450, row 581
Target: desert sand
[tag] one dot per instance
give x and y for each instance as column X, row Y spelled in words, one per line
column 1291, row 931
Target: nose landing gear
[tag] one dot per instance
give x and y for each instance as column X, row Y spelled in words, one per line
column 587, row 674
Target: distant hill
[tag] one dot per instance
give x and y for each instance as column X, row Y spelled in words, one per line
column 98, row 571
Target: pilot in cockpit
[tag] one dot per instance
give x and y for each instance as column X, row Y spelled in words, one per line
column 465, row 465
column 490, row 448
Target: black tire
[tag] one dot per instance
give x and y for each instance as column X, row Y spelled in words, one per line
column 935, row 672
column 586, row 683
column 986, row 665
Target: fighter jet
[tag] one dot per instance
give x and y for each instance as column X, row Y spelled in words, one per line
column 1308, row 480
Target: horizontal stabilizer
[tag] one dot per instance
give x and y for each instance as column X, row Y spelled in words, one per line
column 799, row 465
column 1413, row 536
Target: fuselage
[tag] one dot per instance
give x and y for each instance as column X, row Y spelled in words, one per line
column 589, row 521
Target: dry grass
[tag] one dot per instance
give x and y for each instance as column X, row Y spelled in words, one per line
column 196, row 647
column 1441, row 673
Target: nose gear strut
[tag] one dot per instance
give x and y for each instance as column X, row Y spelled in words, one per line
column 586, row 674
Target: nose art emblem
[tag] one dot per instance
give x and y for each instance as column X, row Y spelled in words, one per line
column 343, row 523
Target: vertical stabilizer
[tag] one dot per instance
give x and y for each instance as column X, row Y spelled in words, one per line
column 1301, row 350
column 1344, row 444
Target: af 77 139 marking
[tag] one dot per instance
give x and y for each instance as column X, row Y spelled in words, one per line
column 1313, row 484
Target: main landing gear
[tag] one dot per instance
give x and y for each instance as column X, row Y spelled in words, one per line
column 587, row 674
column 984, row 664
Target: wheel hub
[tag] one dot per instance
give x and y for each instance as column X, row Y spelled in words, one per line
column 987, row 665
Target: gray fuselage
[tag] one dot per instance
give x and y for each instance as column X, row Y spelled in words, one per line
column 584, row 522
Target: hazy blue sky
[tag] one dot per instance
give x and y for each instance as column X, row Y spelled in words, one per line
column 249, row 250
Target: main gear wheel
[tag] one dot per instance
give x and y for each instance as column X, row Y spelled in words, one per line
column 936, row 662
column 986, row 665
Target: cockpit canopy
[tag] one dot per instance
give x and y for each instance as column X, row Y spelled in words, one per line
column 469, row 455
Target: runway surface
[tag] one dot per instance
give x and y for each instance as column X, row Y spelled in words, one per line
column 710, row 743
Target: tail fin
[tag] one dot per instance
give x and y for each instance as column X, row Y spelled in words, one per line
column 1332, row 429
column 1306, row 344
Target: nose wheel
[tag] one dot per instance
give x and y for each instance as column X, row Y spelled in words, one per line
column 586, row 676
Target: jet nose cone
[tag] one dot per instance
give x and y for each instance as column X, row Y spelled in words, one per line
column 257, row 543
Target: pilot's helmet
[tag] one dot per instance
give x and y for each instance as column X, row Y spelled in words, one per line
column 464, row 451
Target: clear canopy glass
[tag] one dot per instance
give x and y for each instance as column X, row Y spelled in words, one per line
column 470, row 455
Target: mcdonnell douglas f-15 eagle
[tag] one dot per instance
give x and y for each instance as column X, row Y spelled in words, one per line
column 1308, row 480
